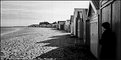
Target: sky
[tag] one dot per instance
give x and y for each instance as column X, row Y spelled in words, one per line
column 24, row 13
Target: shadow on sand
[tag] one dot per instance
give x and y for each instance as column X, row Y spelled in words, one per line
column 59, row 30
column 68, row 49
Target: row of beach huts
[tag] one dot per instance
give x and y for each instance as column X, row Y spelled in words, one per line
column 86, row 24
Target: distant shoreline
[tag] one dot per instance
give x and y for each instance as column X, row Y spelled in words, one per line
column 11, row 26
column 7, row 30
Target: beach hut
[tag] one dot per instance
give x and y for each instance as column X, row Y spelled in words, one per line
column 67, row 25
column 76, row 21
column 72, row 24
column 81, row 18
column 105, row 11
column 110, row 11
column 80, row 25
column 84, row 18
column 61, row 25
column 92, row 28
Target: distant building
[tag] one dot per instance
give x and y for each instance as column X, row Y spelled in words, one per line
column 49, row 25
column 54, row 24
column 45, row 24
column 34, row 25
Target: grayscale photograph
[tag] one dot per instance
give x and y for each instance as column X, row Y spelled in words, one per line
column 60, row 30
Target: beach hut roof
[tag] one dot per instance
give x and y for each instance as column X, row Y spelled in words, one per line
column 96, row 3
column 93, row 5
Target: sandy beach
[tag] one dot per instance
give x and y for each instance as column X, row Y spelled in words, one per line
column 21, row 43
column 42, row 44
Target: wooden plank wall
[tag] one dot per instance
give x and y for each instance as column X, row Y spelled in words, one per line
column 94, row 35
column 116, row 25
column 106, row 14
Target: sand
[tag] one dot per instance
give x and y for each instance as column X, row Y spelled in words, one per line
column 43, row 44
column 22, row 43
